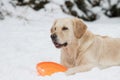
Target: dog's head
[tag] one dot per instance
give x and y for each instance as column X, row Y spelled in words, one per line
column 65, row 30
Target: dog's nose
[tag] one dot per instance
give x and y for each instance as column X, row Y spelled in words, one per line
column 53, row 36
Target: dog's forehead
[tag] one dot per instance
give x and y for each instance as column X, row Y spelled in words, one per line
column 63, row 22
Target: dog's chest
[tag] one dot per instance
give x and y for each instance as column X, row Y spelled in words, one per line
column 72, row 55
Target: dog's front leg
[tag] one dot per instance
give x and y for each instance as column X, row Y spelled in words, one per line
column 81, row 68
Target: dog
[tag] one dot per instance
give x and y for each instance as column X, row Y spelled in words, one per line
column 81, row 50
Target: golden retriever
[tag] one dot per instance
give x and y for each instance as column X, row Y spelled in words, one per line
column 81, row 50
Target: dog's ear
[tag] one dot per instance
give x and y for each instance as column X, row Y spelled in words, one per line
column 79, row 28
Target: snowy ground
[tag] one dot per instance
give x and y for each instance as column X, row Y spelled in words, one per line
column 23, row 44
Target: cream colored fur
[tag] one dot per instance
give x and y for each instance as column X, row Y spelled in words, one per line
column 85, row 50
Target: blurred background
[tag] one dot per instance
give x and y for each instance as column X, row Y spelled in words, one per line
column 88, row 10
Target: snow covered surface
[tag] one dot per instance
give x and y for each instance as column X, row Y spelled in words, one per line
column 25, row 41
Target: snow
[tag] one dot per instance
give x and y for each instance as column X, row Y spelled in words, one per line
column 58, row 1
column 25, row 41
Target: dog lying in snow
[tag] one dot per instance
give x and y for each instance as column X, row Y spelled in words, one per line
column 81, row 50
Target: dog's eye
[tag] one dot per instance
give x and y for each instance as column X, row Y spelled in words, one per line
column 55, row 28
column 64, row 28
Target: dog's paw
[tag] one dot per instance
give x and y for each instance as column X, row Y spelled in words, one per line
column 70, row 72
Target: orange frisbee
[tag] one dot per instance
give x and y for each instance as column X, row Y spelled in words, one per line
column 48, row 68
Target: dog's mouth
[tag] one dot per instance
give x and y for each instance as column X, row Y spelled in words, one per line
column 58, row 45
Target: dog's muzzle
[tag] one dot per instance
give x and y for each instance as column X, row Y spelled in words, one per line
column 55, row 41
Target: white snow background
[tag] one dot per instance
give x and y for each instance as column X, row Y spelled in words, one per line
column 25, row 41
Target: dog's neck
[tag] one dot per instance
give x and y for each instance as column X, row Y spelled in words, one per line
column 86, row 41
